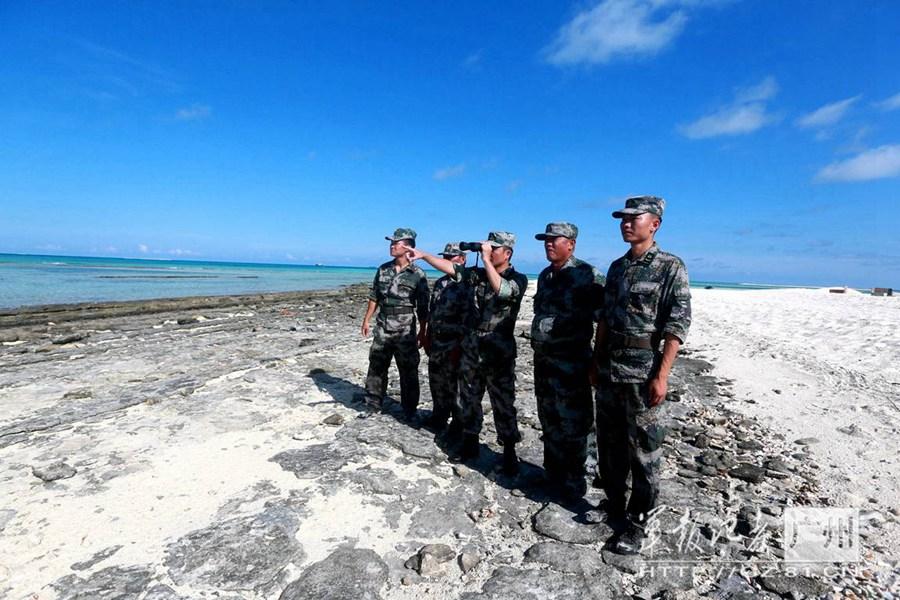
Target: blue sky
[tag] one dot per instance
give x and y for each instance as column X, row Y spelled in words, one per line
column 304, row 132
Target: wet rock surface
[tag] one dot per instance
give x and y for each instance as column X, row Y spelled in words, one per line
column 213, row 448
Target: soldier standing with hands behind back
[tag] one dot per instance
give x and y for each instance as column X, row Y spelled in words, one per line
column 568, row 300
column 647, row 301
column 400, row 292
column 489, row 346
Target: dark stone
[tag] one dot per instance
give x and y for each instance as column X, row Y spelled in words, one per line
column 238, row 554
column 508, row 583
column 70, row 338
column 796, row 586
column 112, row 583
column 701, row 441
column 99, row 557
column 748, row 472
column 59, row 470
column 554, row 521
column 567, row 558
column 345, row 574
column 335, row 419
column 750, row 444
column 310, row 462
column 187, row 320
column 807, row 441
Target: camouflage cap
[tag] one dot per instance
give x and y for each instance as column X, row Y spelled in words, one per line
column 402, row 233
column 639, row 205
column 562, row 229
column 452, row 249
column 501, row 238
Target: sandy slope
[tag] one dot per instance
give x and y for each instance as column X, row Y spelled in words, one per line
column 815, row 364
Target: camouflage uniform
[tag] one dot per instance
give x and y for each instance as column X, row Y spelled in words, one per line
column 645, row 299
column 401, row 296
column 447, row 326
column 566, row 305
column 489, row 348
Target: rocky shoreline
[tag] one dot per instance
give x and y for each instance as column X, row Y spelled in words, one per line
column 211, row 447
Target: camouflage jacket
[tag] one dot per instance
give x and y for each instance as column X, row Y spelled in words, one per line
column 492, row 316
column 449, row 308
column 646, row 298
column 400, row 295
column 566, row 305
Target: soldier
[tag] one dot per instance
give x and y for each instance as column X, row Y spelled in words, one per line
column 443, row 343
column 567, row 303
column 648, row 301
column 489, row 348
column 400, row 292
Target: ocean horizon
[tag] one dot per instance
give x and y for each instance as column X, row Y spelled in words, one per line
column 45, row 279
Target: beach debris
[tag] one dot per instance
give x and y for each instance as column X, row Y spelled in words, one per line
column 882, row 291
column 79, row 394
column 54, row 472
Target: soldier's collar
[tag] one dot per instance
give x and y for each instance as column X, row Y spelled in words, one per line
column 646, row 257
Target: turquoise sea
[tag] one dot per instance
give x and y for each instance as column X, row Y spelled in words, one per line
column 27, row 280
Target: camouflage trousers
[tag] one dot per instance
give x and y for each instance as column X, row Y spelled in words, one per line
column 484, row 368
column 402, row 348
column 629, row 440
column 565, row 410
column 444, row 379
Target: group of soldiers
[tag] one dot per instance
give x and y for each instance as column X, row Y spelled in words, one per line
column 642, row 314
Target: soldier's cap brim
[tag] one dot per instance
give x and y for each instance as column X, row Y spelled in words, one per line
column 544, row 236
column 629, row 211
column 391, row 238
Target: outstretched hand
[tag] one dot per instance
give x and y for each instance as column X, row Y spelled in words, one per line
column 414, row 254
column 365, row 329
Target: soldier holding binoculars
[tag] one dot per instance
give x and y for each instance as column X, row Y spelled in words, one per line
column 488, row 348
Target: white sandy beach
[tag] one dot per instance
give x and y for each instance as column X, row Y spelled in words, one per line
column 813, row 364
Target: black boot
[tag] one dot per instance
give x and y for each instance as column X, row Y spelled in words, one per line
column 470, row 447
column 436, row 423
column 510, row 460
column 631, row 540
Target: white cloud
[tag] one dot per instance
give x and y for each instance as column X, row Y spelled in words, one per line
column 877, row 163
column 448, row 172
column 747, row 113
column 892, row 103
column 180, row 252
column 194, row 112
column 616, row 28
column 143, row 248
column 828, row 114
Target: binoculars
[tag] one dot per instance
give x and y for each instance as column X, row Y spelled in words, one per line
column 470, row 246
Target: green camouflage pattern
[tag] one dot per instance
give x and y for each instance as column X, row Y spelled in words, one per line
column 645, row 298
column 402, row 233
column 561, row 229
column 489, row 350
column 447, row 326
column 401, row 297
column 565, row 410
column 629, row 440
column 566, row 305
column 501, row 238
column 639, row 205
column 452, row 249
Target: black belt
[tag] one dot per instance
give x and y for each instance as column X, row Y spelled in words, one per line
column 618, row 341
column 397, row 310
